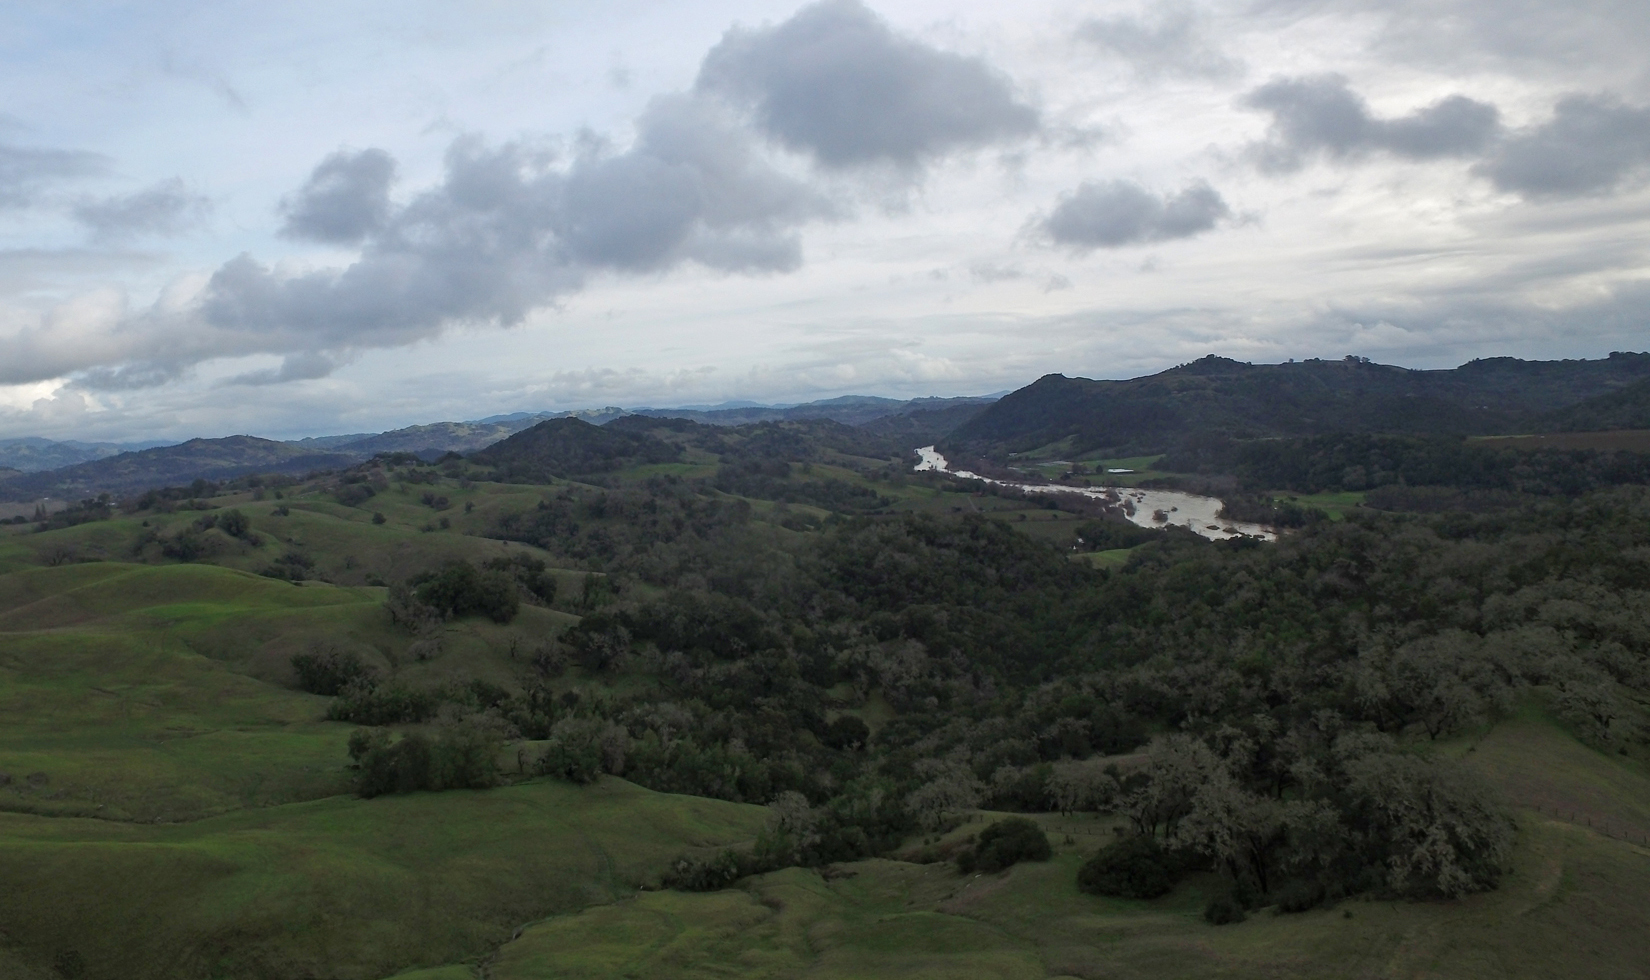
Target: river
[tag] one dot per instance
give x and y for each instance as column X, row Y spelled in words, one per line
column 1147, row 508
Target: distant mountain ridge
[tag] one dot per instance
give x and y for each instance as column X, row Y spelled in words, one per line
column 94, row 468
column 32, row 454
column 197, row 459
column 848, row 409
column 1217, row 396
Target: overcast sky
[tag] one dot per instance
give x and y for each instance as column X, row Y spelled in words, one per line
column 302, row 217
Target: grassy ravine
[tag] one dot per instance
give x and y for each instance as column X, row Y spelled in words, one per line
column 339, row 887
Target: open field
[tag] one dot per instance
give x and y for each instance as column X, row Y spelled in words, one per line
column 340, row 886
column 1334, row 504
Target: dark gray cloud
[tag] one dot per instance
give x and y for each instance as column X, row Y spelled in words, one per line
column 1174, row 42
column 304, row 366
column 1116, row 213
column 837, row 83
column 509, row 229
column 26, row 171
column 1592, row 145
column 167, row 208
column 1321, row 115
column 346, row 198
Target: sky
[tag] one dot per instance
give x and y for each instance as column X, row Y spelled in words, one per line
column 307, row 218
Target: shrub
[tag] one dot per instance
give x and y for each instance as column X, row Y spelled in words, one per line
column 1006, row 843
column 529, row 572
column 847, row 732
column 458, row 589
column 329, row 672
column 292, row 566
column 235, row 524
column 460, row 756
column 1135, row 867
column 694, row 874
column 355, row 494
column 367, row 704
column 1298, row 896
column 1223, row 910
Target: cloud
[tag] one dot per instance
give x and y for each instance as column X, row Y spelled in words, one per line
column 1116, row 213
column 167, row 208
column 1592, row 145
column 346, row 198
column 25, row 171
column 835, row 82
column 1321, row 115
column 507, row 231
column 1175, row 42
column 1517, row 35
column 991, row 272
column 295, row 367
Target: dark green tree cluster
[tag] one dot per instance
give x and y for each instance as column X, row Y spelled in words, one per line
column 1004, row 844
column 459, row 756
column 458, row 588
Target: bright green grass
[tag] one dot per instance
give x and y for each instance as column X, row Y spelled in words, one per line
column 1114, row 558
column 163, row 692
column 107, row 688
column 1334, row 504
column 339, row 887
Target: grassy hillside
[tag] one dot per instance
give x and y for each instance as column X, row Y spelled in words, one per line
column 337, row 887
column 171, row 807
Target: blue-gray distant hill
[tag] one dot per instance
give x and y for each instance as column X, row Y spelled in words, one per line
column 849, row 410
column 436, row 439
column 197, row 459
column 33, row 454
column 1216, row 397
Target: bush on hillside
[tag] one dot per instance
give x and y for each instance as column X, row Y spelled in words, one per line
column 1004, row 844
column 1135, row 867
column 1223, row 910
column 529, row 572
column 366, row 703
column 460, row 756
column 328, row 672
column 459, row 589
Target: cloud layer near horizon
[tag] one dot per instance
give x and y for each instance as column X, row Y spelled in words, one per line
column 1221, row 175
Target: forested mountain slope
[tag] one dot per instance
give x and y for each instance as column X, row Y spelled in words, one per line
column 1218, row 396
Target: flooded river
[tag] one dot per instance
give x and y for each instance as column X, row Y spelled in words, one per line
column 1147, row 508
